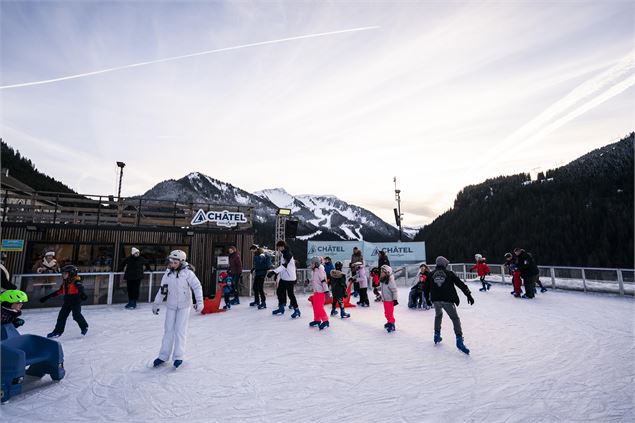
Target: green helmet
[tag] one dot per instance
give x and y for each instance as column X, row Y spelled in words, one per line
column 14, row 296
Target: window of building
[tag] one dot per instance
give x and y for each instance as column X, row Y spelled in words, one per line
column 63, row 255
column 95, row 257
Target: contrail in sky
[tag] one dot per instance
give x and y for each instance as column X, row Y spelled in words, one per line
column 184, row 56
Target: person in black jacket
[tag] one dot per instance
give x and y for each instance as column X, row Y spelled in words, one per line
column 134, row 265
column 73, row 291
column 439, row 290
column 383, row 259
column 528, row 271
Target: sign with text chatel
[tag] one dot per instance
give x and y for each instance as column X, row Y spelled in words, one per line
column 227, row 219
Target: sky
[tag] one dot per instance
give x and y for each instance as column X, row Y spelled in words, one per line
column 317, row 97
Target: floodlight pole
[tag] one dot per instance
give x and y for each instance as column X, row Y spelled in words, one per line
column 398, row 199
column 120, row 165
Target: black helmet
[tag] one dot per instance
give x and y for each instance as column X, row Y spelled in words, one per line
column 71, row 270
column 339, row 265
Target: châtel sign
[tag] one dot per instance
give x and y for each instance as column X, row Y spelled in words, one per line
column 227, row 219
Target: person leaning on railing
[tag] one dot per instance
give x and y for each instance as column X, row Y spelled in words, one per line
column 134, row 265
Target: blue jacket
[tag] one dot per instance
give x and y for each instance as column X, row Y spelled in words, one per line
column 328, row 267
column 262, row 264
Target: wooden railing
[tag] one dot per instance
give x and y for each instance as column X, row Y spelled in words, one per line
column 97, row 210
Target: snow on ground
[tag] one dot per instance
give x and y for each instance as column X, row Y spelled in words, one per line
column 562, row 357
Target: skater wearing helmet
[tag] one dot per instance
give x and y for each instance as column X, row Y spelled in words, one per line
column 176, row 288
column 482, row 270
column 440, row 290
column 318, row 282
column 390, row 294
column 12, row 301
column 73, row 291
column 338, row 287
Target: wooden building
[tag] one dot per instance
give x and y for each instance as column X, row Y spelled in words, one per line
column 96, row 232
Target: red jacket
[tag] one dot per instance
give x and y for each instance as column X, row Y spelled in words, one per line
column 482, row 269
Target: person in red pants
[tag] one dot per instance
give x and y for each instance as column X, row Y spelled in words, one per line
column 390, row 294
column 514, row 272
column 320, row 288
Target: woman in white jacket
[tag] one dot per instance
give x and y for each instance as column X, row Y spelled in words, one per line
column 176, row 286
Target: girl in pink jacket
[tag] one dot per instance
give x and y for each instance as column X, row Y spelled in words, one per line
column 320, row 287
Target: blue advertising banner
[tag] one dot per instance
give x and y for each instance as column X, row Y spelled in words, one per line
column 398, row 252
column 16, row 245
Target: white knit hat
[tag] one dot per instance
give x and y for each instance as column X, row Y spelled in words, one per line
column 49, row 253
column 134, row 251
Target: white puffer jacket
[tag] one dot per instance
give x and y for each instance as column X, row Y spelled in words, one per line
column 286, row 271
column 180, row 283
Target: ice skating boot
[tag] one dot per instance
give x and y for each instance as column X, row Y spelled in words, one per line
column 84, row 331
column 235, row 301
column 278, row 311
column 134, row 304
column 437, row 337
column 290, row 307
column 391, row 327
column 334, row 312
column 227, row 306
column 343, row 314
column 483, row 289
column 314, row 323
column 157, row 362
column 461, row 346
column 262, row 305
column 129, row 305
column 296, row 313
column 386, row 325
column 489, row 285
column 543, row 289
column 177, row 363
column 53, row 335
column 254, row 304
column 324, row 325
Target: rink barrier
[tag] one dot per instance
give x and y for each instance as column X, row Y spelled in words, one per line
column 110, row 287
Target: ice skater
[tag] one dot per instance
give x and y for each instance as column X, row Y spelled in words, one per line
column 73, row 291
column 389, row 294
column 286, row 274
column 338, row 289
column 374, row 277
column 415, row 298
column 482, row 270
column 320, row 288
column 262, row 264
column 512, row 269
column 12, row 301
column 440, row 291
column 177, row 285
column 362, row 282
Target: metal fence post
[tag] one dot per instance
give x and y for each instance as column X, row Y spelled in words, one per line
column 464, row 271
column 620, row 281
column 584, row 279
column 111, row 286
column 503, row 272
column 17, row 281
column 406, row 272
column 552, row 270
column 150, row 287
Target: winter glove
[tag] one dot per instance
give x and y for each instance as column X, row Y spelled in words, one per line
column 198, row 307
column 45, row 298
column 155, row 309
column 83, row 296
column 271, row 274
column 18, row 322
column 470, row 299
column 395, row 302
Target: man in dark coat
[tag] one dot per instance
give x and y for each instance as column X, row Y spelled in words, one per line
column 439, row 289
column 134, row 265
column 528, row 271
column 236, row 272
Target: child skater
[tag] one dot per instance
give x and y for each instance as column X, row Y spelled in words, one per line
column 482, row 269
column 73, row 291
column 374, row 277
column 390, row 294
column 176, row 288
column 338, row 287
column 318, row 281
column 362, row 281
column 512, row 269
column 440, row 291
column 12, row 301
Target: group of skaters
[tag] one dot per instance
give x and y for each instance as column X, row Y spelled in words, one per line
column 434, row 288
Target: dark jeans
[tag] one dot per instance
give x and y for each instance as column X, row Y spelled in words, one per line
column 363, row 296
column 236, row 284
column 530, row 285
column 259, row 289
column 76, row 309
column 226, row 298
column 449, row 308
column 133, row 289
column 356, row 287
column 286, row 288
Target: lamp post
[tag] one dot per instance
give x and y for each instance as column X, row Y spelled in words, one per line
column 398, row 215
column 120, row 165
